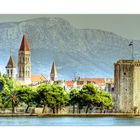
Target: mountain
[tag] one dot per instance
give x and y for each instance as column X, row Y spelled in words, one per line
column 87, row 52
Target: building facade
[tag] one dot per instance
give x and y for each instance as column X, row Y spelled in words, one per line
column 126, row 86
column 106, row 84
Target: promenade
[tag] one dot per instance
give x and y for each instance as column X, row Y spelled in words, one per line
column 73, row 115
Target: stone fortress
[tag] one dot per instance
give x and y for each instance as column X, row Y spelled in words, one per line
column 127, row 86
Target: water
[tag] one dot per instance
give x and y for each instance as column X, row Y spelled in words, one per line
column 69, row 121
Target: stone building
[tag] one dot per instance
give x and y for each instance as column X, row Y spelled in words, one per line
column 11, row 68
column 127, row 86
column 38, row 79
column 101, row 83
column 24, row 62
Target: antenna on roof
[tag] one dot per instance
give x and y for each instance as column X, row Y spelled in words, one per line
column 131, row 44
column 76, row 76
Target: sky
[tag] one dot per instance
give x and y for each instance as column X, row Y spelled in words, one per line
column 127, row 26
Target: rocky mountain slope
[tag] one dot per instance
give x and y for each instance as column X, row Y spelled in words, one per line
column 87, row 52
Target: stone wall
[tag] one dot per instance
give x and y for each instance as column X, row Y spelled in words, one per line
column 136, row 87
column 127, row 89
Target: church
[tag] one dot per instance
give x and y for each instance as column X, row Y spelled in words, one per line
column 24, row 75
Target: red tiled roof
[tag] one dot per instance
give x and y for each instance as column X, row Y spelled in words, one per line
column 24, row 45
column 69, row 83
column 98, row 81
column 38, row 78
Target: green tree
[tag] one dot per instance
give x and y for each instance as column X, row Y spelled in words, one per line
column 27, row 95
column 8, row 94
column 74, row 94
column 88, row 93
column 92, row 96
column 3, row 93
column 42, row 95
column 105, row 100
column 14, row 98
column 57, row 98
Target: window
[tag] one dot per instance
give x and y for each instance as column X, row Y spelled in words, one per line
column 23, row 71
column 11, row 72
column 8, row 72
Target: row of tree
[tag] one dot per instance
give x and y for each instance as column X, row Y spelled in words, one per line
column 52, row 96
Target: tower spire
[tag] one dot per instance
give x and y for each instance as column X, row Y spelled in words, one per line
column 24, row 44
column 11, row 67
column 53, row 74
column 11, row 63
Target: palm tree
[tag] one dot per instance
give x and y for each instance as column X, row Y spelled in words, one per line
column 11, row 98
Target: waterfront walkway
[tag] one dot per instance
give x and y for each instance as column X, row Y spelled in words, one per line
column 74, row 115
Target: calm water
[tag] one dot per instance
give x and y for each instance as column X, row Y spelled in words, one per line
column 69, row 121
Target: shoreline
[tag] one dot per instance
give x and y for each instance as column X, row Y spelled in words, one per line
column 71, row 115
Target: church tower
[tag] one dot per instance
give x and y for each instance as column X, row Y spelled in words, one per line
column 24, row 62
column 11, row 68
column 53, row 74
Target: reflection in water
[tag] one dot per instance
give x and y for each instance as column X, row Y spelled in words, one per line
column 69, row 121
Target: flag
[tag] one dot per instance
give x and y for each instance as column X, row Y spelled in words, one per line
column 131, row 43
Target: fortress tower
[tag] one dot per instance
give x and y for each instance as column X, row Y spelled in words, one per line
column 53, row 74
column 127, row 85
column 11, row 68
column 24, row 62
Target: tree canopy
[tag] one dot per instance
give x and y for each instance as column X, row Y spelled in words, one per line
column 52, row 96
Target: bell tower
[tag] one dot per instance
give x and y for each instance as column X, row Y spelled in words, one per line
column 24, row 62
column 11, row 68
